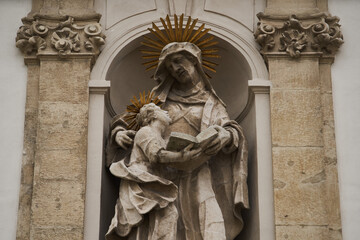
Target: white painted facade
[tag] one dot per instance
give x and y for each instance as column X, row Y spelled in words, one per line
column 346, row 93
column 13, row 77
column 346, row 97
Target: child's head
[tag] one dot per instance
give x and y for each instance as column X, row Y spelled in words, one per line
column 150, row 112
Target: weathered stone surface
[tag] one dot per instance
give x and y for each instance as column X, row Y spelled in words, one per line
column 333, row 202
column 327, row 107
column 306, row 233
column 63, row 114
column 294, row 73
column 64, row 233
column 63, row 7
column 293, row 165
column 301, row 199
column 291, row 7
column 64, row 81
column 27, row 171
column 325, row 77
column 58, row 203
column 296, row 118
column 61, row 147
column 62, row 164
column 32, row 89
column 59, row 138
column 60, row 41
column 24, row 215
column 304, row 155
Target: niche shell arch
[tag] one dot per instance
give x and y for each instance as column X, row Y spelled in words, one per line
column 120, row 63
column 238, row 36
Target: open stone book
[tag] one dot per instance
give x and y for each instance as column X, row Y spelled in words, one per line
column 178, row 141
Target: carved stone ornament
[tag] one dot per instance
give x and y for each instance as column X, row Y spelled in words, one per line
column 295, row 37
column 93, row 32
column 30, row 37
column 65, row 41
column 66, row 37
column 293, row 42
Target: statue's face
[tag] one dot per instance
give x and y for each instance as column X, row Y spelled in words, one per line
column 181, row 68
column 163, row 116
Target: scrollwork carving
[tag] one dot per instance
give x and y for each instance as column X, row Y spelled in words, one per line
column 94, row 35
column 30, row 39
column 264, row 36
column 295, row 37
column 329, row 38
column 65, row 37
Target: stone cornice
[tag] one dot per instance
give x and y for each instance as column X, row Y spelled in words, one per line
column 45, row 36
column 315, row 35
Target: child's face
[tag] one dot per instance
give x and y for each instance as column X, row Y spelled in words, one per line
column 163, row 116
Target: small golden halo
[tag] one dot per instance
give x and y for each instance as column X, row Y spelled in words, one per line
column 133, row 109
column 178, row 33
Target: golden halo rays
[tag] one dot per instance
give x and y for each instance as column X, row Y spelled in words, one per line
column 133, row 109
column 180, row 31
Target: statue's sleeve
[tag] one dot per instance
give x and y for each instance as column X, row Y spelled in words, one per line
column 239, row 156
column 149, row 143
column 221, row 118
column 114, row 152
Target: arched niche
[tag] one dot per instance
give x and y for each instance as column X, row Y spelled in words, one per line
column 120, row 64
column 128, row 77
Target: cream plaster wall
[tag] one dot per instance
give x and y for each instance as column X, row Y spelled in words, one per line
column 346, row 94
column 12, row 108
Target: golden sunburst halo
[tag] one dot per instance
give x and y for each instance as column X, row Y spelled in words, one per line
column 133, row 109
column 179, row 32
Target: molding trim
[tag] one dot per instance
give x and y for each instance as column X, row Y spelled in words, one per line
column 99, row 86
column 256, row 86
column 318, row 35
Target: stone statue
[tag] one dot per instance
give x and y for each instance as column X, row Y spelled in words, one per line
column 159, row 201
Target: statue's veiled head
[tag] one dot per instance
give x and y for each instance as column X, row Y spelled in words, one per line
column 181, row 60
column 169, row 70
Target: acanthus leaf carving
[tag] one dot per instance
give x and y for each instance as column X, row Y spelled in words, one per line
column 295, row 37
column 293, row 42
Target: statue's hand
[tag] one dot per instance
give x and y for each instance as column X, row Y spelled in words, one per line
column 179, row 157
column 189, row 155
column 125, row 138
column 223, row 138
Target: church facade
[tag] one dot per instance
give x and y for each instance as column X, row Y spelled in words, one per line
column 281, row 71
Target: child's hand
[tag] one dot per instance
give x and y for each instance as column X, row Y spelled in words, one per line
column 125, row 138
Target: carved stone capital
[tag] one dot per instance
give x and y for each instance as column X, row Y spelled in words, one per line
column 295, row 37
column 69, row 38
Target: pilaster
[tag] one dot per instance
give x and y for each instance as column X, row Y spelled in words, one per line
column 60, row 43
column 299, row 49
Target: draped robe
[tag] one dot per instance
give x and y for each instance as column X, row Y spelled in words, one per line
column 210, row 198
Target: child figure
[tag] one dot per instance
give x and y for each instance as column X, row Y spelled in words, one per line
column 145, row 208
